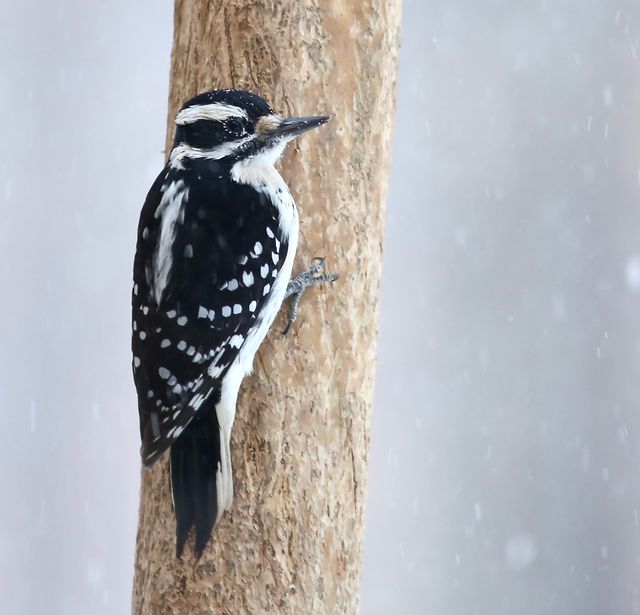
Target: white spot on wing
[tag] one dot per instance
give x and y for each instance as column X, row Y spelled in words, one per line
column 236, row 341
column 226, row 311
column 214, row 372
column 247, row 278
column 196, row 401
column 264, row 270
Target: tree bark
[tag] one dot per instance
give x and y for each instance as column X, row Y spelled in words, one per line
column 292, row 542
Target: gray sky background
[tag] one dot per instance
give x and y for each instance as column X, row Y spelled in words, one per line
column 503, row 474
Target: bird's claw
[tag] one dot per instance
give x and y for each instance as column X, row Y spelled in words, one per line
column 313, row 276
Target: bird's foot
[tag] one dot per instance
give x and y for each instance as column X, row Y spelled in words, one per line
column 311, row 277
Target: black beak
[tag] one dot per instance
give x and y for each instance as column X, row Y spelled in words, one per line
column 294, row 126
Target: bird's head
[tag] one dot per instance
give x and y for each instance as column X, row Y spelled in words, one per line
column 234, row 125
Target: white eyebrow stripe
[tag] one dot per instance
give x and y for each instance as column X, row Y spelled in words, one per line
column 213, row 111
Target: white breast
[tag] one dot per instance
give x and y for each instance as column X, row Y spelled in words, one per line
column 261, row 175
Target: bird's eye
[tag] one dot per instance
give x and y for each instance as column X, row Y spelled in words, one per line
column 235, row 125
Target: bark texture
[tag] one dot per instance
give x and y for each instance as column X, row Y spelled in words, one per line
column 293, row 540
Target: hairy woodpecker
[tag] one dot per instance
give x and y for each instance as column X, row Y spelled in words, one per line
column 215, row 248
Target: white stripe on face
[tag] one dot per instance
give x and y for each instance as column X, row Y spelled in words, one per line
column 215, row 111
column 215, row 153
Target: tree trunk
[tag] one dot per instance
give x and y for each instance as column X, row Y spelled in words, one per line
column 292, row 542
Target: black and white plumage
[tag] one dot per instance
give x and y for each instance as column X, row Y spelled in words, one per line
column 215, row 247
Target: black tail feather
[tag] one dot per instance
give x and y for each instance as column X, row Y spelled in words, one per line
column 194, row 460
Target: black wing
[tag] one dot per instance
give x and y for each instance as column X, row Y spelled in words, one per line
column 226, row 251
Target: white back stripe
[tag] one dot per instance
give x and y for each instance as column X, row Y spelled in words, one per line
column 169, row 208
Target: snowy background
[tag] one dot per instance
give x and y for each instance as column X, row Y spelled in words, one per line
column 504, row 472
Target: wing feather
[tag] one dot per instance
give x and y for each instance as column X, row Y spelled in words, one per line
column 225, row 251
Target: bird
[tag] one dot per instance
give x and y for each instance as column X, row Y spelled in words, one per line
column 215, row 247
